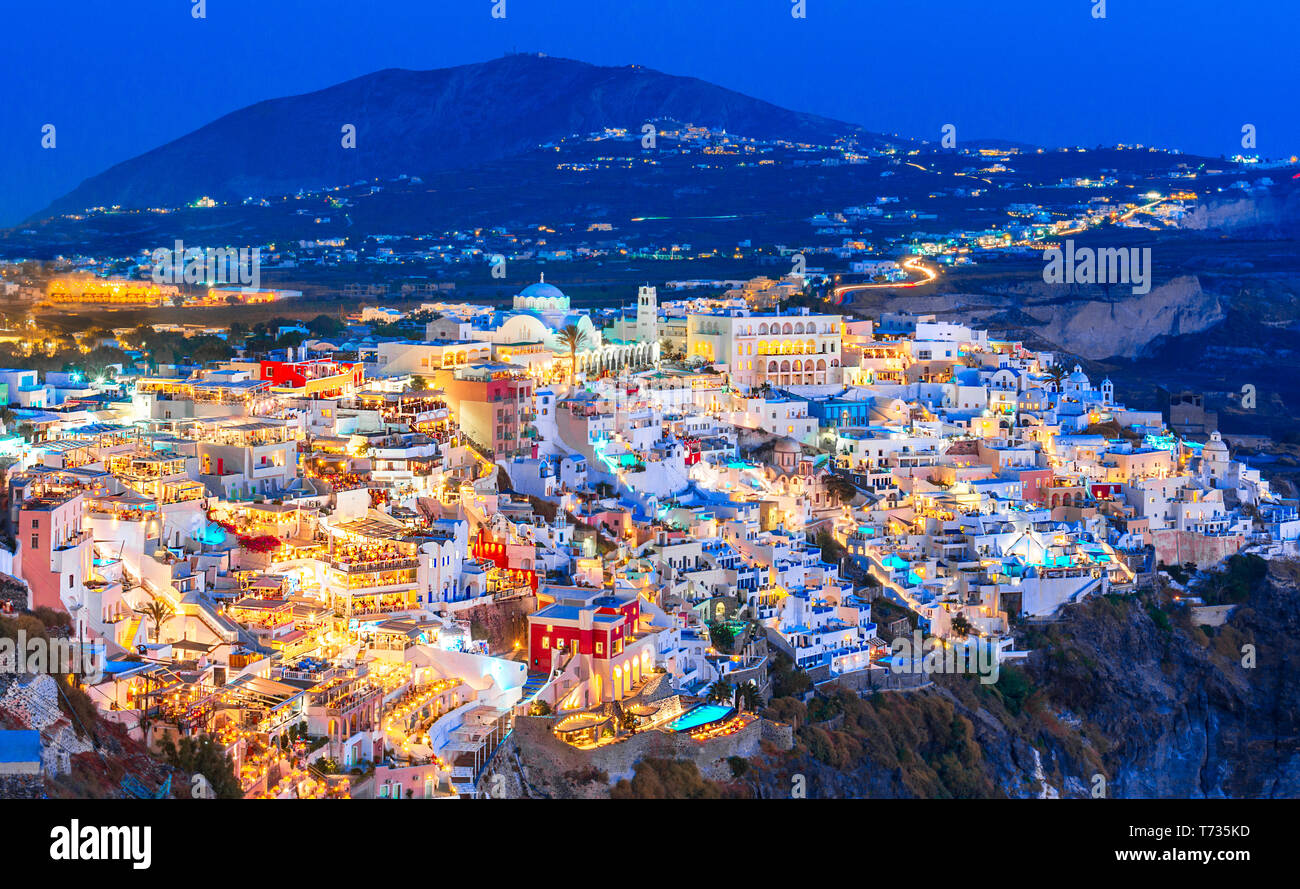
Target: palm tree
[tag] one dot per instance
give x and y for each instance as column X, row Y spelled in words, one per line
column 720, row 691
column 158, row 612
column 749, row 696
column 1056, row 375
column 572, row 338
column 961, row 626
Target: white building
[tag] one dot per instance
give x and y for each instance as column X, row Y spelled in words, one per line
column 781, row 350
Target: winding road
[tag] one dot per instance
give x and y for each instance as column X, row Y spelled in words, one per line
column 912, row 264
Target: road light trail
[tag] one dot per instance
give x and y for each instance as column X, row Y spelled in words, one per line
column 912, row 264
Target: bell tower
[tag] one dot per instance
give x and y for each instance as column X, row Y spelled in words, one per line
column 647, row 314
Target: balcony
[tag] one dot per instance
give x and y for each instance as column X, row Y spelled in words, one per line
column 366, row 566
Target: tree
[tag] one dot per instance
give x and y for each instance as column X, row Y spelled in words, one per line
column 749, row 696
column 840, row 488
column 290, row 339
column 1056, row 375
column 326, row 326
column 961, row 626
column 204, row 756
column 720, row 692
column 99, row 361
column 209, row 348
column 573, row 339
column 158, row 613
column 666, row 779
column 721, row 635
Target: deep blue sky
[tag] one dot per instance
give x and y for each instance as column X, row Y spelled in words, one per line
column 120, row 78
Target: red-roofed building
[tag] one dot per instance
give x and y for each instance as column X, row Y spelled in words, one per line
column 321, row 377
column 601, row 630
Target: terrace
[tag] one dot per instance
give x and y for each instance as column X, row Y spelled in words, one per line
column 244, row 433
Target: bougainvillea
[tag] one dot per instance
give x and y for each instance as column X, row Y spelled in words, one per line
column 265, row 543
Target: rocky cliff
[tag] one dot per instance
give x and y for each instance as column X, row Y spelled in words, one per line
column 1124, row 697
column 1126, row 327
column 1272, row 213
column 1091, row 321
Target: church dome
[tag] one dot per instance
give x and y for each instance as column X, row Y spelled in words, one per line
column 542, row 290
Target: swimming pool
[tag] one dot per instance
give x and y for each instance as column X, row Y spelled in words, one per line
column 698, row 716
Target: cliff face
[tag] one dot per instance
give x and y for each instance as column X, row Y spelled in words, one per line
column 1183, row 712
column 1125, row 327
column 1091, row 321
column 1274, row 213
column 1123, row 689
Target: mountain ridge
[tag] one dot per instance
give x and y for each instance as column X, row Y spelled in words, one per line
column 422, row 122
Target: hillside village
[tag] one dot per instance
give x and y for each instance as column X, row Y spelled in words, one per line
column 364, row 566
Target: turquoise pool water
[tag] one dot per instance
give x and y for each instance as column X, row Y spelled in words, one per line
column 698, row 716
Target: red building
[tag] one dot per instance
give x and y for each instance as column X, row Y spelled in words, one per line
column 317, row 376
column 514, row 558
column 1033, row 482
column 598, row 626
column 613, row 655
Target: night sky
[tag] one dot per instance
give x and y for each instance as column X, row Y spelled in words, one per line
column 120, row 78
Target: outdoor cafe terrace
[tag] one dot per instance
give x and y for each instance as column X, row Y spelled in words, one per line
column 237, row 392
column 370, row 559
column 244, row 432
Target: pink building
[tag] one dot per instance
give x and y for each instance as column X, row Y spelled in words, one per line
column 56, row 550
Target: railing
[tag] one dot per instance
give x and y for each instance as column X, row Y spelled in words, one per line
column 369, row 566
column 74, row 541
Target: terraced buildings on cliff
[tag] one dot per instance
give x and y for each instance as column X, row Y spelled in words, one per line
column 312, row 558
